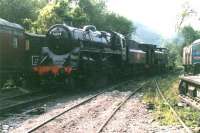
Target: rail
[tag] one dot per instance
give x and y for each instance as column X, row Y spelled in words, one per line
column 187, row 129
column 118, row 107
column 75, row 106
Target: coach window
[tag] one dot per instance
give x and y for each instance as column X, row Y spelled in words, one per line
column 15, row 42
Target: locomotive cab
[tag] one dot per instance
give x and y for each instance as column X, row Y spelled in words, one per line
column 118, row 42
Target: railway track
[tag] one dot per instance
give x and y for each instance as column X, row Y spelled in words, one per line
column 18, row 95
column 121, row 103
column 17, row 102
column 116, row 109
column 186, row 128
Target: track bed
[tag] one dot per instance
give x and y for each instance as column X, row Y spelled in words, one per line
column 97, row 115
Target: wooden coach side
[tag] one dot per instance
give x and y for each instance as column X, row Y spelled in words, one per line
column 12, row 49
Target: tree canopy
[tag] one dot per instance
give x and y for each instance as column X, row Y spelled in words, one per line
column 19, row 10
column 80, row 13
column 38, row 15
column 189, row 35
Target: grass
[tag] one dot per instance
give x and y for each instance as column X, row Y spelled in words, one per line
column 169, row 86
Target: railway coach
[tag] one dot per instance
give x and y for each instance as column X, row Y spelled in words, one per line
column 12, row 50
column 191, row 58
column 189, row 86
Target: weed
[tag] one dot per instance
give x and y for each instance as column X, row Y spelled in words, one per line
column 169, row 87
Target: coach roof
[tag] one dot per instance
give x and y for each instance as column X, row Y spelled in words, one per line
column 3, row 22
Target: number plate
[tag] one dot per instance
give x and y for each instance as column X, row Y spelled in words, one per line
column 35, row 60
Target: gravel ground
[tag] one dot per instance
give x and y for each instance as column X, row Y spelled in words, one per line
column 133, row 117
column 15, row 120
column 84, row 118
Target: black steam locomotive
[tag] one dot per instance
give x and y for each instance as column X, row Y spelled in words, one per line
column 71, row 53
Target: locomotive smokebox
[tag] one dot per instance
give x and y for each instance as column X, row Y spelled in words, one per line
column 59, row 39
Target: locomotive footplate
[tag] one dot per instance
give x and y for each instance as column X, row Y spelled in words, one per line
column 190, row 86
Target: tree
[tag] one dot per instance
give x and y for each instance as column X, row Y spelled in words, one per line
column 174, row 53
column 19, row 11
column 104, row 20
column 119, row 24
column 189, row 35
column 84, row 12
column 186, row 13
column 58, row 12
column 95, row 11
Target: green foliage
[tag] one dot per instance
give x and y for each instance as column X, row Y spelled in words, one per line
column 19, row 11
column 85, row 12
column 174, row 53
column 162, row 112
column 185, row 37
column 104, row 20
column 95, row 11
column 119, row 24
column 189, row 35
column 79, row 17
column 38, row 15
column 47, row 17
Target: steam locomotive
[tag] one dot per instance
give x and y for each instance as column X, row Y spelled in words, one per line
column 71, row 53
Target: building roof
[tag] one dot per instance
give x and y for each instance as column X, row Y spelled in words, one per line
column 4, row 22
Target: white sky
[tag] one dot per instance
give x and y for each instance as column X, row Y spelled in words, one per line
column 159, row 15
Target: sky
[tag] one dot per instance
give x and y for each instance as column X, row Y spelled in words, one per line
column 159, row 15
